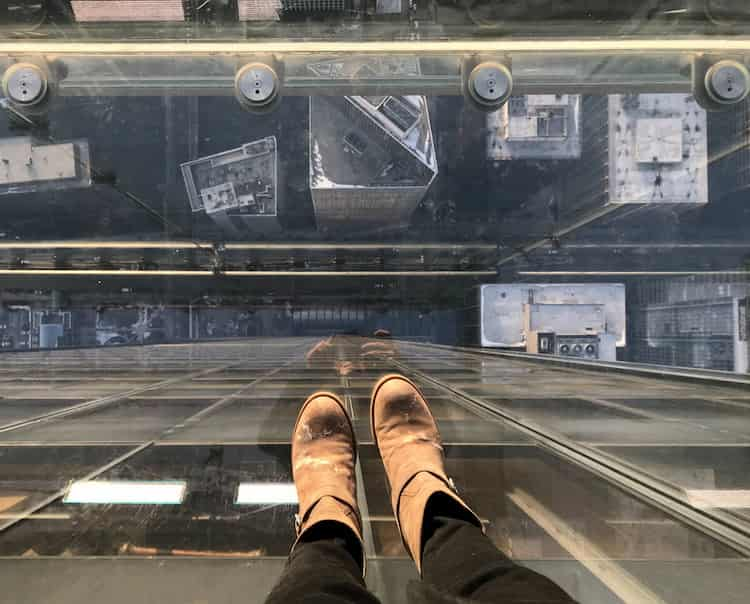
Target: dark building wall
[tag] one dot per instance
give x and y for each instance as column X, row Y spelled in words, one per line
column 729, row 150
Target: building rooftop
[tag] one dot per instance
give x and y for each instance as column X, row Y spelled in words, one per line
column 536, row 126
column 658, row 149
column 370, row 142
column 240, row 181
column 128, row 10
column 27, row 166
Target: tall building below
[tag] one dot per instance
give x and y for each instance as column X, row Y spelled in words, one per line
column 641, row 149
column 729, row 150
column 571, row 316
column 638, row 152
column 372, row 159
column 536, row 126
column 26, row 166
column 697, row 321
column 15, row 327
column 658, row 150
column 237, row 189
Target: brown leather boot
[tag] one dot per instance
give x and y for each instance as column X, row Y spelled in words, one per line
column 323, row 456
column 409, row 442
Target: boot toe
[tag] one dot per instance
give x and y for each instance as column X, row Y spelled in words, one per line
column 322, row 417
column 395, row 397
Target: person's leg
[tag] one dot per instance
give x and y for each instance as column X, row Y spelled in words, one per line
column 442, row 534
column 460, row 560
column 324, row 568
column 327, row 563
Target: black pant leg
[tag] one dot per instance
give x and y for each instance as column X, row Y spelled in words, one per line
column 460, row 561
column 323, row 570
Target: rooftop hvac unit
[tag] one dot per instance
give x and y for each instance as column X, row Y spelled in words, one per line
column 570, row 330
column 128, row 10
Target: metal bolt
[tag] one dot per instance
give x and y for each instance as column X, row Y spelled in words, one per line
column 490, row 83
column 727, row 82
column 24, row 84
column 257, row 84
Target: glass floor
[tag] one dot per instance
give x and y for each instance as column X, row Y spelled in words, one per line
column 129, row 416
column 536, row 209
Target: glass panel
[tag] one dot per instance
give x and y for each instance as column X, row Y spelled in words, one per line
column 29, row 476
column 212, row 209
column 685, row 435
column 213, row 475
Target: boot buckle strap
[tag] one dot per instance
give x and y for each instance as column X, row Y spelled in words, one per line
column 452, row 485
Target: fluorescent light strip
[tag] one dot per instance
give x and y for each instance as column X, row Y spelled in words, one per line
column 255, row 493
column 117, row 245
column 126, row 492
column 27, row 272
column 728, row 499
column 381, row 47
column 178, row 245
column 626, row 273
